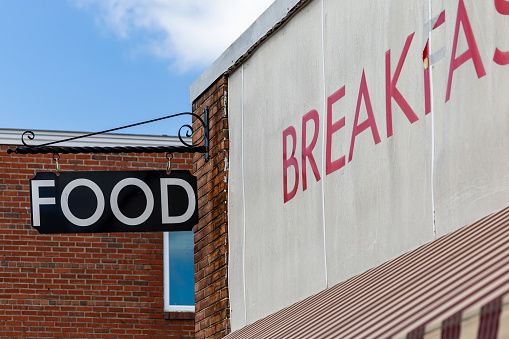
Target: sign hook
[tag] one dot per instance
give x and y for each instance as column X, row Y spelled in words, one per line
column 56, row 161
column 169, row 157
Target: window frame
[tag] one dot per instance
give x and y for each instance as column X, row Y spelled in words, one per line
column 167, row 306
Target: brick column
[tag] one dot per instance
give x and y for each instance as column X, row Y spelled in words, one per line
column 211, row 234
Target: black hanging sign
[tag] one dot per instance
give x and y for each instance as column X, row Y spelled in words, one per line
column 99, row 202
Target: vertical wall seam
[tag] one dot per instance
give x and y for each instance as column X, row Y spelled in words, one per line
column 432, row 97
column 228, row 196
column 243, row 195
column 323, row 143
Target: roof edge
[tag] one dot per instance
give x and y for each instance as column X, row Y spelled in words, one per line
column 274, row 16
column 13, row 137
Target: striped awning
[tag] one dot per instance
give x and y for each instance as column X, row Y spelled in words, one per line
column 454, row 287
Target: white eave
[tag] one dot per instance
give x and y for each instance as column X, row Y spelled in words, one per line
column 270, row 20
column 13, row 137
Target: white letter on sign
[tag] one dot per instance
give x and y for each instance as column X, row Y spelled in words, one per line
column 165, row 209
column 37, row 201
column 64, row 201
column 114, row 201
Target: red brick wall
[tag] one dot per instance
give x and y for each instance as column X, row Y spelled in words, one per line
column 80, row 286
column 211, row 234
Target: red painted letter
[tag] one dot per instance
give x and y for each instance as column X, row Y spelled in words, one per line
column 471, row 53
column 331, row 166
column 392, row 92
column 307, row 151
column 369, row 122
column 287, row 162
column 427, row 62
column 501, row 58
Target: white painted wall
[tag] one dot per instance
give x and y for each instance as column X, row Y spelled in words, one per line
column 445, row 170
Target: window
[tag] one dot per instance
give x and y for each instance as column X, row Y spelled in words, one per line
column 179, row 271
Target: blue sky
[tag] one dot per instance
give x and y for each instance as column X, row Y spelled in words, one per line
column 92, row 65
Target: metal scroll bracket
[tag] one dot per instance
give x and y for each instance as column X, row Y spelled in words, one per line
column 199, row 146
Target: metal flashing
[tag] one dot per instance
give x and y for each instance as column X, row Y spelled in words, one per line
column 13, row 137
column 269, row 22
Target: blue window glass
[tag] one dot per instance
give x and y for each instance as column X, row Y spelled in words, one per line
column 179, row 269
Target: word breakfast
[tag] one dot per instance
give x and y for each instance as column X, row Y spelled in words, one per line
column 391, row 91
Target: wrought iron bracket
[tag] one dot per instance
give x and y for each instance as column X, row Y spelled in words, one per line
column 49, row 148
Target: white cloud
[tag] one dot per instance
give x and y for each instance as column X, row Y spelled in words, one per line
column 190, row 33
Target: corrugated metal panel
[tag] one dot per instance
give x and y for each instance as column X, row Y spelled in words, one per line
column 13, row 137
column 438, row 282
